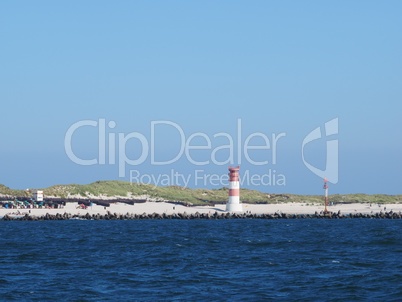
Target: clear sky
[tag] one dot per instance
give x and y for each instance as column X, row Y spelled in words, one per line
column 276, row 67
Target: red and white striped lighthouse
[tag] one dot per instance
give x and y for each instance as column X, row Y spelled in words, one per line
column 326, row 194
column 233, row 204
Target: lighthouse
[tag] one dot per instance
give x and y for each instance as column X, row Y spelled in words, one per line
column 233, row 204
column 326, row 195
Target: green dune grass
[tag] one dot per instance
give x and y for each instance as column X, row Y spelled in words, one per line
column 194, row 196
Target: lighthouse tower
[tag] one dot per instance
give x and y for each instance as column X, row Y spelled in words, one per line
column 326, row 195
column 233, row 204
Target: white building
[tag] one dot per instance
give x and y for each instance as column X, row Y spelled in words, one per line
column 37, row 195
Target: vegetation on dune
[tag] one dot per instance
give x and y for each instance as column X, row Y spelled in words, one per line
column 124, row 189
column 361, row 198
column 7, row 191
column 172, row 193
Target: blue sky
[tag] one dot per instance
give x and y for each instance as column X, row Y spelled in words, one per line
column 278, row 66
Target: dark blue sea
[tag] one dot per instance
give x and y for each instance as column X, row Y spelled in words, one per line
column 201, row 260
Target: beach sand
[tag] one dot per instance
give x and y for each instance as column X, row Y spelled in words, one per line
column 169, row 208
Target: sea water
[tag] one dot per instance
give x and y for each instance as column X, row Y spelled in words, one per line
column 201, row 260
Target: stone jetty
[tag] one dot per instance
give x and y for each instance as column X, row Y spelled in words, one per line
column 215, row 215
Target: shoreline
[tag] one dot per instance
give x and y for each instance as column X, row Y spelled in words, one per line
column 176, row 210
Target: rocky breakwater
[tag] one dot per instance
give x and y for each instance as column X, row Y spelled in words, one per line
column 216, row 215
